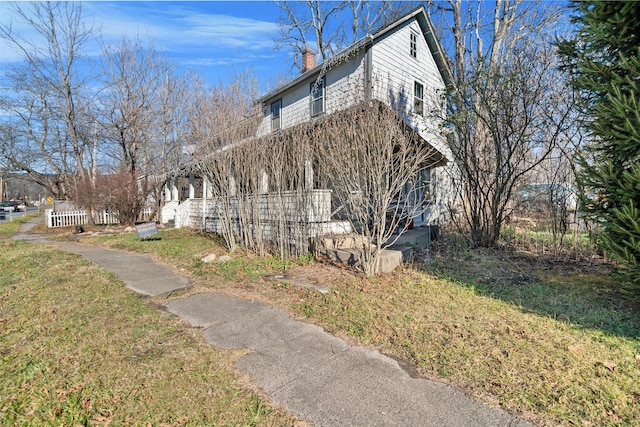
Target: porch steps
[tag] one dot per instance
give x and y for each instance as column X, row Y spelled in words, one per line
column 342, row 248
column 389, row 258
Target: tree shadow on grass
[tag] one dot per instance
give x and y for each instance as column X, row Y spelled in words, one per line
column 585, row 294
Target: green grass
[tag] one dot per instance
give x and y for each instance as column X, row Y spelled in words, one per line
column 554, row 371
column 185, row 249
column 77, row 348
column 9, row 228
column 552, row 341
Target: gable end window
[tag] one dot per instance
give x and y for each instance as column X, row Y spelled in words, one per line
column 413, row 44
column 276, row 109
column 317, row 97
column 418, row 99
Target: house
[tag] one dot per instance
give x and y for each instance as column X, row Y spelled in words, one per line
column 401, row 66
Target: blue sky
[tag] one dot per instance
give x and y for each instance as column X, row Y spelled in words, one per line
column 215, row 38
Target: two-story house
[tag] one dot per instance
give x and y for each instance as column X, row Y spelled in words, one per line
column 403, row 66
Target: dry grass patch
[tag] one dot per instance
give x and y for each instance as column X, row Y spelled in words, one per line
column 555, row 341
column 78, row 348
column 552, row 341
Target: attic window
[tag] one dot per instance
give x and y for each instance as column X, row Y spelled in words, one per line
column 317, row 97
column 418, row 99
column 276, row 107
column 413, row 44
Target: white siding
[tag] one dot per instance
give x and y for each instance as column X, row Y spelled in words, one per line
column 395, row 71
column 344, row 85
column 394, row 74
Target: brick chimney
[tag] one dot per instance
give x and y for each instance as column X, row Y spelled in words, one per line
column 308, row 59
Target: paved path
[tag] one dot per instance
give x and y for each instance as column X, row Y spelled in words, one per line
column 138, row 272
column 313, row 374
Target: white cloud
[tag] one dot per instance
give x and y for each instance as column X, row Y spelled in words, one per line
column 181, row 29
column 212, row 38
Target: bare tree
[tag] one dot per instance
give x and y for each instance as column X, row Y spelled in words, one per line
column 505, row 110
column 47, row 96
column 134, row 75
column 372, row 161
column 558, row 172
column 330, row 26
column 306, row 21
column 142, row 117
column 169, row 133
column 366, row 17
column 221, row 120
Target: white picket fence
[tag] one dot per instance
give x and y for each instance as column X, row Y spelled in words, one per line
column 71, row 218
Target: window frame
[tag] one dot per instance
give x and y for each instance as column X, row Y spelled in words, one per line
column 276, row 119
column 418, row 101
column 322, row 87
column 413, row 44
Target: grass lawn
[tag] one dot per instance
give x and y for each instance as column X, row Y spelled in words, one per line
column 553, row 342
column 78, row 348
column 9, row 228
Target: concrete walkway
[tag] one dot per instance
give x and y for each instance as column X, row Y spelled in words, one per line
column 311, row 373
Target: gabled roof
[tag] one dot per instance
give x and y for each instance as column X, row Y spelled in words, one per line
column 428, row 32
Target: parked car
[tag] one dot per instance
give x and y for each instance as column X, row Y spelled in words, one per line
column 13, row 206
column 7, row 207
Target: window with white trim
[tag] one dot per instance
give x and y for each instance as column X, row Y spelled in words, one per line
column 317, row 97
column 413, row 44
column 418, row 99
column 276, row 109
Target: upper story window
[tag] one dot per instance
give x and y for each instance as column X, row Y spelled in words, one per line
column 276, row 109
column 317, row 97
column 418, row 99
column 413, row 44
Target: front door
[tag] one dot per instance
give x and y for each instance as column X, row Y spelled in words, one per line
column 423, row 198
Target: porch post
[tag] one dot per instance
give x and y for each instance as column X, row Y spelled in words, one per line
column 192, row 188
column 174, row 190
column 167, row 192
column 308, row 175
column 232, row 186
column 204, row 202
column 264, row 182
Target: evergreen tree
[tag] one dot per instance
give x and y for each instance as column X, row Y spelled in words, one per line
column 603, row 60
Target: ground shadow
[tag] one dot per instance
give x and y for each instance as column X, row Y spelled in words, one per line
column 584, row 294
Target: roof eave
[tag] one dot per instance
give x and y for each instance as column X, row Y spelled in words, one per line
column 434, row 45
column 315, row 70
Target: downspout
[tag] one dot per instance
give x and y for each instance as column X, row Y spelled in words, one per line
column 368, row 73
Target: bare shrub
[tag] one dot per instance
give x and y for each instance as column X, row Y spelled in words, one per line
column 371, row 160
column 122, row 194
column 269, row 194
